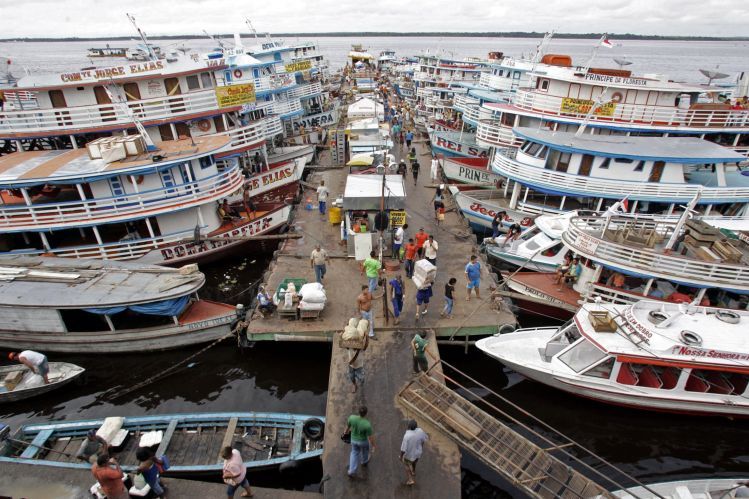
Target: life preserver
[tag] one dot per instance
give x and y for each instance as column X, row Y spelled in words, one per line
column 617, row 97
column 526, row 222
column 728, row 316
column 204, row 125
column 690, row 337
column 138, row 179
column 237, row 73
column 313, row 429
column 657, row 317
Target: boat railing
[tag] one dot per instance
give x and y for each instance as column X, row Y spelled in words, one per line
column 496, row 82
column 623, row 243
column 305, row 91
column 620, row 112
column 69, row 119
column 286, row 107
column 254, row 133
column 579, row 185
column 611, row 295
column 120, row 207
column 273, row 126
column 490, row 133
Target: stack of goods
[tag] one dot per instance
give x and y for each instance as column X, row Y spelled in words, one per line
column 312, row 296
column 116, row 148
column 424, row 274
column 355, row 334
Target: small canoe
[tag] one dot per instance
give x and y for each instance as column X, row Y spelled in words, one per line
column 191, row 441
column 31, row 385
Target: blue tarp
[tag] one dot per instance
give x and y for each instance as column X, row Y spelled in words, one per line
column 167, row 308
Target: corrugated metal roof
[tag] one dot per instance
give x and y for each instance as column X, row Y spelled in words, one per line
column 73, row 283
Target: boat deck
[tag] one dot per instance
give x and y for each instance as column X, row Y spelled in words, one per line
column 544, row 285
column 343, row 279
column 204, row 309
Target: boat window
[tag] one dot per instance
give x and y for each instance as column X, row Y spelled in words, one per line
column 602, row 370
column 640, row 166
column 526, row 145
column 623, row 160
column 207, row 80
column 581, row 355
column 605, row 164
column 206, row 162
column 192, row 82
column 534, row 148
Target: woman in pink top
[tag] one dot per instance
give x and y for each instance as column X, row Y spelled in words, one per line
column 235, row 472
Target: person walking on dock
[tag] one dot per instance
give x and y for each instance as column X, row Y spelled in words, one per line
column 409, row 138
column 402, row 169
column 235, row 472
column 364, row 304
column 35, row 361
column 398, row 236
column 434, row 169
column 473, row 274
column 449, row 298
column 430, row 250
column 415, row 171
column 149, row 470
column 373, row 268
column 412, row 448
column 356, row 366
column 410, row 257
column 362, row 440
column 317, row 260
column 322, row 197
column 397, row 287
column 108, row 473
column 421, row 238
column 418, row 346
column 422, row 298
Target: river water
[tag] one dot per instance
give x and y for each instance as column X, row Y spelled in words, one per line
column 293, row 377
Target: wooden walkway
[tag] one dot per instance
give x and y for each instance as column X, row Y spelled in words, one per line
column 387, row 367
column 534, row 470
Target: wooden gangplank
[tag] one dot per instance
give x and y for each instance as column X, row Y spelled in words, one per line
column 533, row 469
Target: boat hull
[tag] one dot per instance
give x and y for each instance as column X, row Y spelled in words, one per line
column 549, row 305
column 54, row 368
column 472, row 171
column 480, row 212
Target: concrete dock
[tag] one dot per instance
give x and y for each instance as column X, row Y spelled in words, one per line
column 43, row 482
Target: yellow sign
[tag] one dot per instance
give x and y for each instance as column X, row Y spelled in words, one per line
column 235, row 95
column 397, row 218
column 298, row 66
column 582, row 106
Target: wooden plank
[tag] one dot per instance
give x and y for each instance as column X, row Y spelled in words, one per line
column 33, row 449
column 167, row 437
column 228, row 435
column 296, row 445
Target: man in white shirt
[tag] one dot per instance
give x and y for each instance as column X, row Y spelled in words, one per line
column 412, row 448
column 430, row 250
column 35, row 361
column 322, row 197
column 398, row 236
column 434, row 170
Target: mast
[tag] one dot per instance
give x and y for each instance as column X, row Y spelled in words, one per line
column 151, row 54
column 252, row 28
column 116, row 97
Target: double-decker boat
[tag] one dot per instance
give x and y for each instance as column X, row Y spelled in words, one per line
column 648, row 355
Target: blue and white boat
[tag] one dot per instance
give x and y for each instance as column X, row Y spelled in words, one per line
column 191, row 441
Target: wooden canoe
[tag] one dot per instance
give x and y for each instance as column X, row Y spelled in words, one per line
column 31, row 385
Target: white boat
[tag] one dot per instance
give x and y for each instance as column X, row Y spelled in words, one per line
column 461, row 144
column 473, row 171
column 31, row 384
column 480, row 206
column 280, row 155
column 100, row 306
column 709, row 488
column 648, row 355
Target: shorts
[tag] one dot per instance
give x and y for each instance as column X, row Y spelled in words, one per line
column 422, row 298
column 231, row 489
column 356, row 375
column 474, row 284
column 43, row 368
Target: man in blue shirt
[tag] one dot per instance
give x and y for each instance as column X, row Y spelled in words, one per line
column 409, row 138
column 396, row 285
column 473, row 275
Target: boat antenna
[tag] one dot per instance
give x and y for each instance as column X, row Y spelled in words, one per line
column 540, row 49
column 252, row 28
column 149, row 49
column 593, row 108
column 688, row 211
column 604, row 40
column 215, row 40
column 118, row 100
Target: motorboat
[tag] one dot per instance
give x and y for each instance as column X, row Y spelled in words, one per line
column 20, row 383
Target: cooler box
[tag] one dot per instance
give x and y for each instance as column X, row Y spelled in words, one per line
column 425, row 271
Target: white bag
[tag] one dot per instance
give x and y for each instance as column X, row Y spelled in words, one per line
column 304, row 305
column 313, row 296
column 363, row 327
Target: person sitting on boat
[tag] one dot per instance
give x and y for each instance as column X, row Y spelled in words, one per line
column 35, row 361
column 573, row 272
column 92, row 447
column 655, row 292
column 149, row 469
column 562, row 268
column 227, row 213
column 264, row 302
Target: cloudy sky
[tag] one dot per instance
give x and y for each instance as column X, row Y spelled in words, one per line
column 34, row 18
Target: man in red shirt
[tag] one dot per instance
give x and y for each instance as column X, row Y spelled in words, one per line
column 421, row 238
column 109, row 475
column 410, row 256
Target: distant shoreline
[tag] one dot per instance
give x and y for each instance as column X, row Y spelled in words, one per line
column 365, row 34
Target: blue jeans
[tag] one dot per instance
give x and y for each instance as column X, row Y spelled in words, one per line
column 321, row 206
column 372, row 284
column 359, row 455
column 397, row 305
column 409, row 268
column 448, row 310
column 320, row 272
column 232, row 489
column 370, row 317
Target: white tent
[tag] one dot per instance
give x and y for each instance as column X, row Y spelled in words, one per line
column 366, row 108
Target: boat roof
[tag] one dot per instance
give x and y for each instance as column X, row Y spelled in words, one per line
column 722, row 343
column 34, row 281
column 686, row 150
column 61, row 166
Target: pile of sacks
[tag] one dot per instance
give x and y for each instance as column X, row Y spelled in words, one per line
column 312, row 296
column 424, row 274
column 355, row 330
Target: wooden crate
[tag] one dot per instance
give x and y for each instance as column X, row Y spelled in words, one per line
column 12, row 380
column 602, row 322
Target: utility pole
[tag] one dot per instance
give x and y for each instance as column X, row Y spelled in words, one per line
column 383, row 224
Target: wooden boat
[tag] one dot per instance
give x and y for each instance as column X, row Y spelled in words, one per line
column 712, row 488
column 191, row 441
column 103, row 306
column 30, row 385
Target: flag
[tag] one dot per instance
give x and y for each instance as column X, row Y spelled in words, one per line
column 605, row 42
column 625, row 204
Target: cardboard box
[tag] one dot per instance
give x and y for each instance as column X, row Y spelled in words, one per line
column 134, row 145
column 94, row 147
column 112, row 152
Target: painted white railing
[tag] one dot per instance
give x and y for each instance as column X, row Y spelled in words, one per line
column 463, row 102
column 584, row 237
column 246, row 135
column 496, row 82
column 70, row 119
column 657, row 116
column 494, row 133
column 106, row 210
column 285, row 107
column 578, row 185
column 305, row 90
column 273, row 126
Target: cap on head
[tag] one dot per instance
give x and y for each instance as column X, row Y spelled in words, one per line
column 13, row 355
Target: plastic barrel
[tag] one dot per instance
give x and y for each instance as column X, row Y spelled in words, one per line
column 334, row 215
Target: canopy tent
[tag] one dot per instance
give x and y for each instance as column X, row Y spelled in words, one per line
column 363, row 192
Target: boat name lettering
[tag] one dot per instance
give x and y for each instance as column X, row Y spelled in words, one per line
column 634, row 327
column 213, row 63
column 479, row 208
column 710, row 354
column 269, row 178
column 103, row 73
column 582, row 106
column 315, row 120
column 209, row 323
column 542, row 295
column 473, row 175
column 187, row 249
column 298, row 66
column 461, row 148
column 586, row 244
column 616, row 79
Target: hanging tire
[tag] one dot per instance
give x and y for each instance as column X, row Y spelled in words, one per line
column 728, row 316
column 314, row 429
column 690, row 338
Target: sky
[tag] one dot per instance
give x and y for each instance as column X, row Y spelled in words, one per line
column 84, row 18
